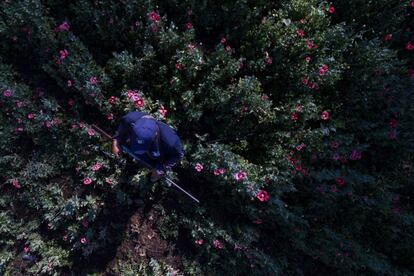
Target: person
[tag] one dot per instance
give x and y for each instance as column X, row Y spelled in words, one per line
column 152, row 141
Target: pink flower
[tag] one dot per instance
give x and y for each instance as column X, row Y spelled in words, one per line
column 340, row 181
column 412, row 3
column 109, row 181
column 302, row 21
column 217, row 244
column 63, row 54
column 65, row 237
column 154, row 16
column 112, row 100
column 323, row 69
column 300, row 32
column 63, row 27
column 258, row 221
column 110, row 116
column 409, row 46
column 219, row 171
column 331, row 9
column 393, row 123
column 300, row 147
column 223, row 40
column 7, row 93
column 71, row 102
column 262, row 195
column 199, row 242
column 264, row 97
column 294, row 116
column 83, row 240
column 15, row 183
column 26, row 249
column 85, row 223
column 228, row 48
column 163, row 111
column 189, row 25
column 69, row 83
column 222, row 170
column 309, row 44
column 355, row 155
column 91, row 132
column 198, row 167
column 308, row 59
column 336, row 157
column 333, row 188
column 93, row 80
column 96, row 167
column 305, row 81
column 87, row 181
column 30, row 116
column 410, row 73
column 325, row 115
column 268, row 60
column 388, row 37
column 179, row 66
column 139, row 103
column 239, row 176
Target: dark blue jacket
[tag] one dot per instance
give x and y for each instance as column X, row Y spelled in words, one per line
column 170, row 145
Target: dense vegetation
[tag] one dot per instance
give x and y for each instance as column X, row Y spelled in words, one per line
column 296, row 116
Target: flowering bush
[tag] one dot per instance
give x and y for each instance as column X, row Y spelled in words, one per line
column 296, row 118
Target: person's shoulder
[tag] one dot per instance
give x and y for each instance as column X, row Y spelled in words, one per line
column 132, row 116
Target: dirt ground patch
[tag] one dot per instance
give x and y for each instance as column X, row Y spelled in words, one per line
column 143, row 243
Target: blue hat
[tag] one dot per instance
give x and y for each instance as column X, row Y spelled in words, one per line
column 143, row 136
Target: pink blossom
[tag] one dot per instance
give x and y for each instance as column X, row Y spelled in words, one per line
column 334, row 144
column 388, row 37
column 294, row 116
column 154, row 16
column 191, row 47
column 300, row 147
column 63, row 54
column 87, row 181
column 97, row 166
column 199, row 241
column 240, row 175
column 228, row 48
column 309, row 44
column 300, row 32
column 412, row 3
column 71, row 102
column 91, row 132
column 333, row 188
column 331, row 9
column 264, row 97
column 409, row 46
column 163, row 111
column 15, row 183
column 340, row 181
column 325, row 115
column 198, row 167
column 85, row 223
column 63, row 27
column 336, row 157
column 109, row 181
column 26, row 249
column 189, row 25
column 323, row 69
column 30, row 116
column 69, row 83
column 268, row 60
column 355, row 155
column 139, row 102
column 393, row 123
column 20, row 104
column 7, row 93
column 308, row 59
column 258, row 221
column 410, row 73
column 112, row 100
column 217, row 244
column 179, row 66
column 110, row 116
column 223, row 40
column 93, row 80
column 83, row 240
column 262, row 195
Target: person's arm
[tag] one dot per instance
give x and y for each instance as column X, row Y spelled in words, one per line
column 175, row 154
column 120, row 136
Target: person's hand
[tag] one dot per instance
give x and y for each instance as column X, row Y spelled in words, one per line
column 115, row 149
